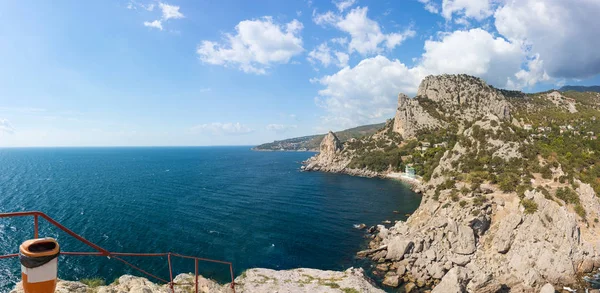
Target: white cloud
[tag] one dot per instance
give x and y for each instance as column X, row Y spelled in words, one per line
column 327, row 18
column 343, row 4
column 340, row 41
column 563, row 33
column 367, row 92
column 155, row 24
column 342, row 59
column 327, row 57
column 218, row 128
column 135, row 5
column 474, row 52
column 430, row 6
column 170, row 11
column 477, row 9
column 534, row 74
column 322, row 53
column 6, row 127
column 280, row 128
column 256, row 45
column 366, row 35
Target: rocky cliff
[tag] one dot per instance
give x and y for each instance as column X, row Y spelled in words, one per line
column 334, row 157
column 251, row 281
column 509, row 186
column 445, row 98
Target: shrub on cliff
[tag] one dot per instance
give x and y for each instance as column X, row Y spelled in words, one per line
column 508, row 181
column 580, row 211
column 93, row 282
column 567, row 195
column 529, row 205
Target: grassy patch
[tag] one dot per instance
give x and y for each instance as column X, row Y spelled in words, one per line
column 350, row 290
column 93, row 282
column 529, row 205
column 580, row 211
column 332, row 285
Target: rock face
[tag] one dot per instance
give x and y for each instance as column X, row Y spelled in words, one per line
column 519, row 250
column 329, row 148
column 465, row 92
column 252, row 281
column 332, row 158
column 411, row 117
column 460, row 96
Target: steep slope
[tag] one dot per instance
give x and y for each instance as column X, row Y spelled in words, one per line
column 311, row 142
column 509, row 185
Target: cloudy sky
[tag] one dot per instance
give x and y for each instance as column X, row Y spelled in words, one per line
column 152, row 73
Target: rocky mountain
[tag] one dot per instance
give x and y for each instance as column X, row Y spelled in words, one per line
column 312, row 142
column 251, row 281
column 509, row 182
column 580, row 88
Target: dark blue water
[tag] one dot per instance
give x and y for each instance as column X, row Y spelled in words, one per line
column 254, row 209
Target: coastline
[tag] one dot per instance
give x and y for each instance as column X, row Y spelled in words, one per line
column 292, row 151
column 415, row 183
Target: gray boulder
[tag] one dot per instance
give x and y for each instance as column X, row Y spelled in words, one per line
column 453, row 282
column 397, row 248
column 463, row 240
column 548, row 288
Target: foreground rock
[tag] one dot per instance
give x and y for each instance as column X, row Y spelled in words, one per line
column 251, row 281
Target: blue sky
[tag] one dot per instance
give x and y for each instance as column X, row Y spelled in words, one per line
column 128, row 73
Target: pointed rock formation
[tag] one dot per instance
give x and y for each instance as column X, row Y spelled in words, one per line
column 332, row 157
column 330, row 146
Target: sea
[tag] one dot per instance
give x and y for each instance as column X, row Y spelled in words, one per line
column 253, row 209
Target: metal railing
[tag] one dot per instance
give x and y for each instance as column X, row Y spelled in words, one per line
column 116, row 255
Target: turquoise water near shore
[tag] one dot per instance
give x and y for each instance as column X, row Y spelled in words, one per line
column 254, row 209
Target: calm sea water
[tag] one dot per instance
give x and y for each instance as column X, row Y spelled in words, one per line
column 254, row 209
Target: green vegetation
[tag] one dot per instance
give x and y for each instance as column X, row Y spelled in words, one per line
column 567, row 195
column 580, row 88
column 93, row 282
column 454, row 195
column 332, row 285
column 529, row 205
column 349, row 290
column 580, row 211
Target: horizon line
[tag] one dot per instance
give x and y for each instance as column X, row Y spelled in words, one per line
column 126, row 146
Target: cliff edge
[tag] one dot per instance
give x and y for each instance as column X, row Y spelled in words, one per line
column 251, row 281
